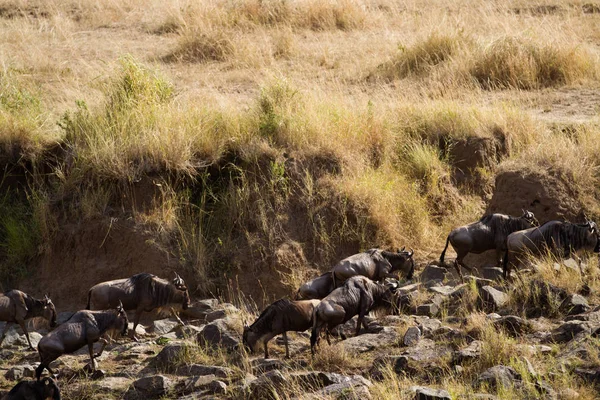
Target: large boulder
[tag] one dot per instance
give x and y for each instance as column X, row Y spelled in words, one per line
column 500, row 375
column 219, row 334
column 149, row 387
column 492, row 298
column 371, row 341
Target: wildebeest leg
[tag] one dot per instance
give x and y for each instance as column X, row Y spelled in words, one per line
column 104, row 342
column 91, row 350
column 24, row 327
column 287, row 349
column 4, row 331
column 177, row 316
column 457, row 267
column 266, row 345
column 136, row 321
column 327, row 336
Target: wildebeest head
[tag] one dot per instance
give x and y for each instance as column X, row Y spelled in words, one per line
column 122, row 321
column 179, row 284
column 49, row 311
column 249, row 338
column 401, row 261
column 530, row 217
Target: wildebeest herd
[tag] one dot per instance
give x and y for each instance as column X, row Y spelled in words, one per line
column 355, row 286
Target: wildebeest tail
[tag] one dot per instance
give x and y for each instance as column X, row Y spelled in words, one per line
column 444, row 252
column 314, row 334
column 89, row 299
column 505, row 265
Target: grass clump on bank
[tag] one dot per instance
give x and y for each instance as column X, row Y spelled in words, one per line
column 512, row 62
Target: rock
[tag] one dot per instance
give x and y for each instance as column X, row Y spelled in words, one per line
column 311, row 380
column 569, row 394
column 164, row 326
column 217, row 387
column 500, row 375
column 574, row 265
column 492, row 298
column 219, row 334
column 575, row 304
column 187, row 331
column 425, row 393
column 112, row 384
column 153, row 386
column 371, row 341
column 569, row 330
column 430, row 309
column 408, row 288
column 429, row 326
column 591, row 376
column 200, row 370
column 169, row 355
column 267, row 385
column 199, row 309
column 262, row 365
column 479, row 282
column 412, row 336
column 18, row 372
column 352, row 387
column 513, row 325
column 453, row 292
column 492, row 273
column 432, row 272
column 223, row 311
column 131, row 351
column 469, row 353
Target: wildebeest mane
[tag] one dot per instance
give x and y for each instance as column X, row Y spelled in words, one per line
column 566, row 235
column 265, row 319
column 159, row 290
column 506, row 225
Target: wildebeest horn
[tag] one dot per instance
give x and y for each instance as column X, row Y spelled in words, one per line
column 411, row 252
column 402, row 249
column 120, row 306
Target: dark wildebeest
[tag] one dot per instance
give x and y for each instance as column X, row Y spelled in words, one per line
column 141, row 292
column 84, row 327
column 44, row 389
column 358, row 296
column 317, row 288
column 278, row 318
column 559, row 238
column 489, row 233
column 375, row 264
column 17, row 307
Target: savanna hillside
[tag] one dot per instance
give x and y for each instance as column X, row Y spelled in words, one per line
column 251, row 143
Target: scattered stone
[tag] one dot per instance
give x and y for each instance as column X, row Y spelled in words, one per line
column 371, row 341
column 187, row 331
column 351, row 388
column 267, row 384
column 589, row 375
column 153, row 386
column 18, row 372
column 569, row 330
column 164, row 326
column 408, row 288
column 479, row 282
column 575, row 304
column 201, row 370
column 199, row 309
column 262, row 365
column 219, row 334
column 433, row 272
column 112, row 384
column 453, row 292
column 425, row 393
column 569, row 394
column 430, row 326
column 513, row 325
column 430, row 309
column 492, row 298
column 469, row 353
column 217, row 387
column 169, row 354
column 492, row 273
column 500, row 375
column 412, row 336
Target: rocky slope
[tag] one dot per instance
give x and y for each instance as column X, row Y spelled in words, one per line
column 482, row 339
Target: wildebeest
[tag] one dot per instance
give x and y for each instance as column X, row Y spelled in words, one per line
column 84, row 327
column 375, row 264
column 358, row 296
column 141, row 292
column 317, row 288
column 17, row 307
column 278, row 318
column 561, row 239
column 44, row 389
column 490, row 232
